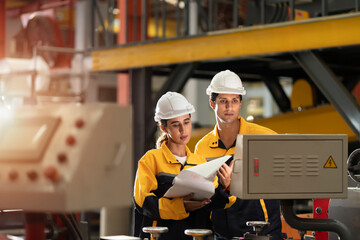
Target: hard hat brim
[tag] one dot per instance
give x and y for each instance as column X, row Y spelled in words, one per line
column 173, row 114
column 209, row 90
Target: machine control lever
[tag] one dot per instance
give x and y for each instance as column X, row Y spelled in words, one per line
column 198, row 234
column 155, row 232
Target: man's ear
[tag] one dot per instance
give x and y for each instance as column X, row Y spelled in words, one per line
column 212, row 104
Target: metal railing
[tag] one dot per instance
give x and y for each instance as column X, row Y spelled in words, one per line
column 152, row 18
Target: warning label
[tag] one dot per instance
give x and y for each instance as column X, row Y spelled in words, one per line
column 330, row 163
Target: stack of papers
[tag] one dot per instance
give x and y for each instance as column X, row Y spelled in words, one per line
column 197, row 180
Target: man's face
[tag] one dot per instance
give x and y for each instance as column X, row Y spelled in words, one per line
column 226, row 107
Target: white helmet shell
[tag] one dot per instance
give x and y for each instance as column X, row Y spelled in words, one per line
column 226, row 82
column 171, row 105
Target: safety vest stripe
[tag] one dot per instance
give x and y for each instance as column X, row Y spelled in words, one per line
column 266, row 217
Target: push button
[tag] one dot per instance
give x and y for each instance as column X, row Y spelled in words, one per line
column 32, row 175
column 52, row 174
column 62, row 158
column 79, row 123
column 13, row 175
column 70, row 140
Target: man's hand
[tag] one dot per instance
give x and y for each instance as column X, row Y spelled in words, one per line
column 224, row 174
column 194, row 205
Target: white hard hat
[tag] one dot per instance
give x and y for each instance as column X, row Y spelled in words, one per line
column 171, row 105
column 226, row 82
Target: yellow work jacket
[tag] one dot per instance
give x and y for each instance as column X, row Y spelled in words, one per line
column 158, row 163
column 156, row 171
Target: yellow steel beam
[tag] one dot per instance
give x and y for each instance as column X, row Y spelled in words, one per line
column 325, row 32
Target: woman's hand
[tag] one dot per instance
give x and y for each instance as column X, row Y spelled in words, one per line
column 194, row 205
column 224, row 174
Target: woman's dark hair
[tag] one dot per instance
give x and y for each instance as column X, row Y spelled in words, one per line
column 163, row 137
column 213, row 96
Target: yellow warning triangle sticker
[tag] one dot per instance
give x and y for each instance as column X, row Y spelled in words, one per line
column 330, row 163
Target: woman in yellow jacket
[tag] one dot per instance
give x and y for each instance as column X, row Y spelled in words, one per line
column 157, row 169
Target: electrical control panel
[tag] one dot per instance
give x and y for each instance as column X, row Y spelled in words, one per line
column 290, row 166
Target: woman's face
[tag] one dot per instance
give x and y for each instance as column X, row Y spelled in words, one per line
column 179, row 129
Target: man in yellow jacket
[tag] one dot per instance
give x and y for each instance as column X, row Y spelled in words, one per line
column 226, row 91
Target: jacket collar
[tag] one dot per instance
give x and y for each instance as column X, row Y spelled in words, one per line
column 169, row 156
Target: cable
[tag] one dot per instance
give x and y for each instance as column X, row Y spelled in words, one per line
column 278, row 16
column 70, row 226
column 76, row 225
column 284, row 13
column 273, row 17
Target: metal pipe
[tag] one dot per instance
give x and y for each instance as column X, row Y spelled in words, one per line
column 97, row 8
column 178, row 18
column 201, row 13
column 262, row 11
column 109, row 20
column 157, row 18
column 330, row 225
column 55, row 4
column 235, row 14
column 2, row 29
column 210, row 18
column 126, row 23
column 82, row 26
column 186, row 17
column 71, row 24
column 193, row 17
column 134, row 11
column 215, row 14
column 324, row 7
column 92, row 23
column 163, row 16
column 33, row 78
column 143, row 20
column 57, row 49
column 292, row 10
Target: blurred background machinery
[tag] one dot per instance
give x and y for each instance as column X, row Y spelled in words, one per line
column 59, row 160
column 298, row 60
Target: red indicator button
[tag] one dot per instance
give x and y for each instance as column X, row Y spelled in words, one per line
column 13, row 175
column 256, row 167
column 62, row 158
column 51, row 173
column 32, row 175
column 79, row 123
column 70, row 140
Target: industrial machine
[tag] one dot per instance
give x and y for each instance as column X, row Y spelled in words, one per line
column 289, row 167
column 347, row 210
column 65, row 158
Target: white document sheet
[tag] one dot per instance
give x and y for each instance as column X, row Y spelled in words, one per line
column 197, row 180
